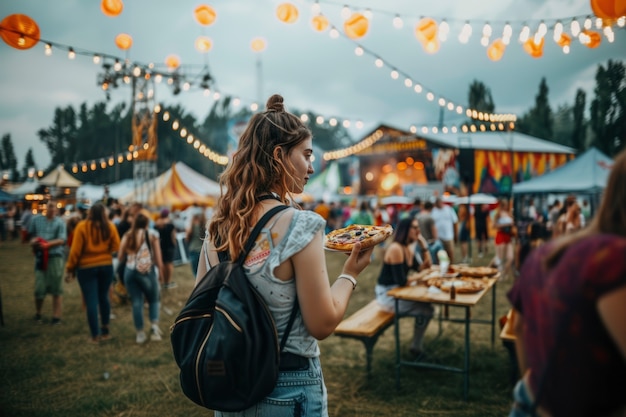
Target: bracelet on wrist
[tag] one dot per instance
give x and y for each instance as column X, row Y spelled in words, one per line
column 349, row 278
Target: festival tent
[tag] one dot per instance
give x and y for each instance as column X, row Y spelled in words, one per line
column 92, row 192
column 59, row 177
column 587, row 174
column 27, row 187
column 325, row 185
column 6, row 197
column 176, row 187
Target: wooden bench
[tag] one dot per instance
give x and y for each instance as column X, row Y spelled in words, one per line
column 366, row 325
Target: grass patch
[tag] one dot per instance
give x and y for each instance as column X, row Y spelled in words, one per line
column 50, row 371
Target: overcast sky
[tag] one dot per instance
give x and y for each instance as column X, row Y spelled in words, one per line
column 310, row 69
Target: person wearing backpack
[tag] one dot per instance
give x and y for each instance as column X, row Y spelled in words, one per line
column 287, row 264
column 141, row 251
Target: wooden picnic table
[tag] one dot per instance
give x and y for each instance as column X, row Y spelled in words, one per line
column 464, row 301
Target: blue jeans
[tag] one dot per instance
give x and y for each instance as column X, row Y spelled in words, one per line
column 433, row 248
column 94, row 284
column 194, row 258
column 140, row 286
column 297, row 393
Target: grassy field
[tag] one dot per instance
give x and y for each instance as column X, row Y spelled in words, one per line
column 51, row 371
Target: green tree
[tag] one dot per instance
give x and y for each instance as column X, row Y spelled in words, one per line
column 8, row 161
column 29, row 162
column 60, row 137
column 608, row 108
column 579, row 130
column 563, row 125
column 479, row 97
column 539, row 120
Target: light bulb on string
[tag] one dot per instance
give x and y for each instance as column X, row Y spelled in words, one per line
column 345, row 12
column 575, row 28
column 444, row 30
column 397, row 22
column 542, row 29
column 588, row 23
column 48, row 49
column 358, row 51
column 558, row 30
column 71, row 54
column 524, row 34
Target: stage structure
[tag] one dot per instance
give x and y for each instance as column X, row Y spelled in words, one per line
column 144, row 118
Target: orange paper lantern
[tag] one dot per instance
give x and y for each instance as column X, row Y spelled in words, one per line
column 172, row 61
column 112, row 8
column 205, row 15
column 287, row 13
column 609, row 9
column 592, row 39
column 21, row 32
column 319, row 23
column 123, row 41
column 495, row 51
column 258, row 44
column 356, row 26
column 564, row 40
column 426, row 30
column 533, row 49
column 203, row 44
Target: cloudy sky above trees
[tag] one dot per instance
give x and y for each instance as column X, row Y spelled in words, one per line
column 312, row 70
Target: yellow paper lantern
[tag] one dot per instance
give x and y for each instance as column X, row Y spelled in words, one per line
column 287, row 13
column 123, row 41
column 609, row 9
column 356, row 26
column 319, row 23
column 564, row 40
column 495, row 51
column 112, row 8
column 203, row 44
column 592, row 38
column 205, row 15
column 172, row 61
column 533, row 49
column 426, row 30
column 21, row 32
column 258, row 44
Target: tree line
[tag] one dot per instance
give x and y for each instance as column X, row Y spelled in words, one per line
column 88, row 134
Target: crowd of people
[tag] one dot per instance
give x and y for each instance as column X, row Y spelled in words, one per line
column 105, row 246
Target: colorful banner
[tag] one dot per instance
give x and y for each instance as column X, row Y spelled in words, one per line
column 493, row 173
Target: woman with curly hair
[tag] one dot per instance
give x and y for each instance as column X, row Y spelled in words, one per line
column 287, row 265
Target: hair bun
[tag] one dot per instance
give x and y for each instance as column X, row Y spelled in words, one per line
column 275, row 103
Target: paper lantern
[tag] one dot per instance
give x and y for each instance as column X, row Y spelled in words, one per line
column 431, row 46
column 112, row 8
column 319, row 23
column 534, row 49
column 203, row 44
column 426, row 30
column 590, row 38
column 287, row 13
column 258, row 44
column 564, row 40
column 123, row 41
column 609, row 9
column 21, row 32
column 495, row 51
column 356, row 26
column 172, row 61
column 205, row 15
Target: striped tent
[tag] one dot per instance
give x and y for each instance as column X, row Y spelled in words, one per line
column 169, row 190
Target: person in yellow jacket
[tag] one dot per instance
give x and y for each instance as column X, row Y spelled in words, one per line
column 95, row 240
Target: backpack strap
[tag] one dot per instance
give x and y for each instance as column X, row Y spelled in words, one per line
column 147, row 238
column 255, row 232
column 292, row 317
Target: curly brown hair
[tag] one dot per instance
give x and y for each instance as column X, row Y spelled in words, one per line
column 254, row 171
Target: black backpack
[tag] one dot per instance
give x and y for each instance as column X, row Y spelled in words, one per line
column 225, row 341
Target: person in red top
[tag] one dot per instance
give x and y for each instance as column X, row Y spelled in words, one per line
column 570, row 305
